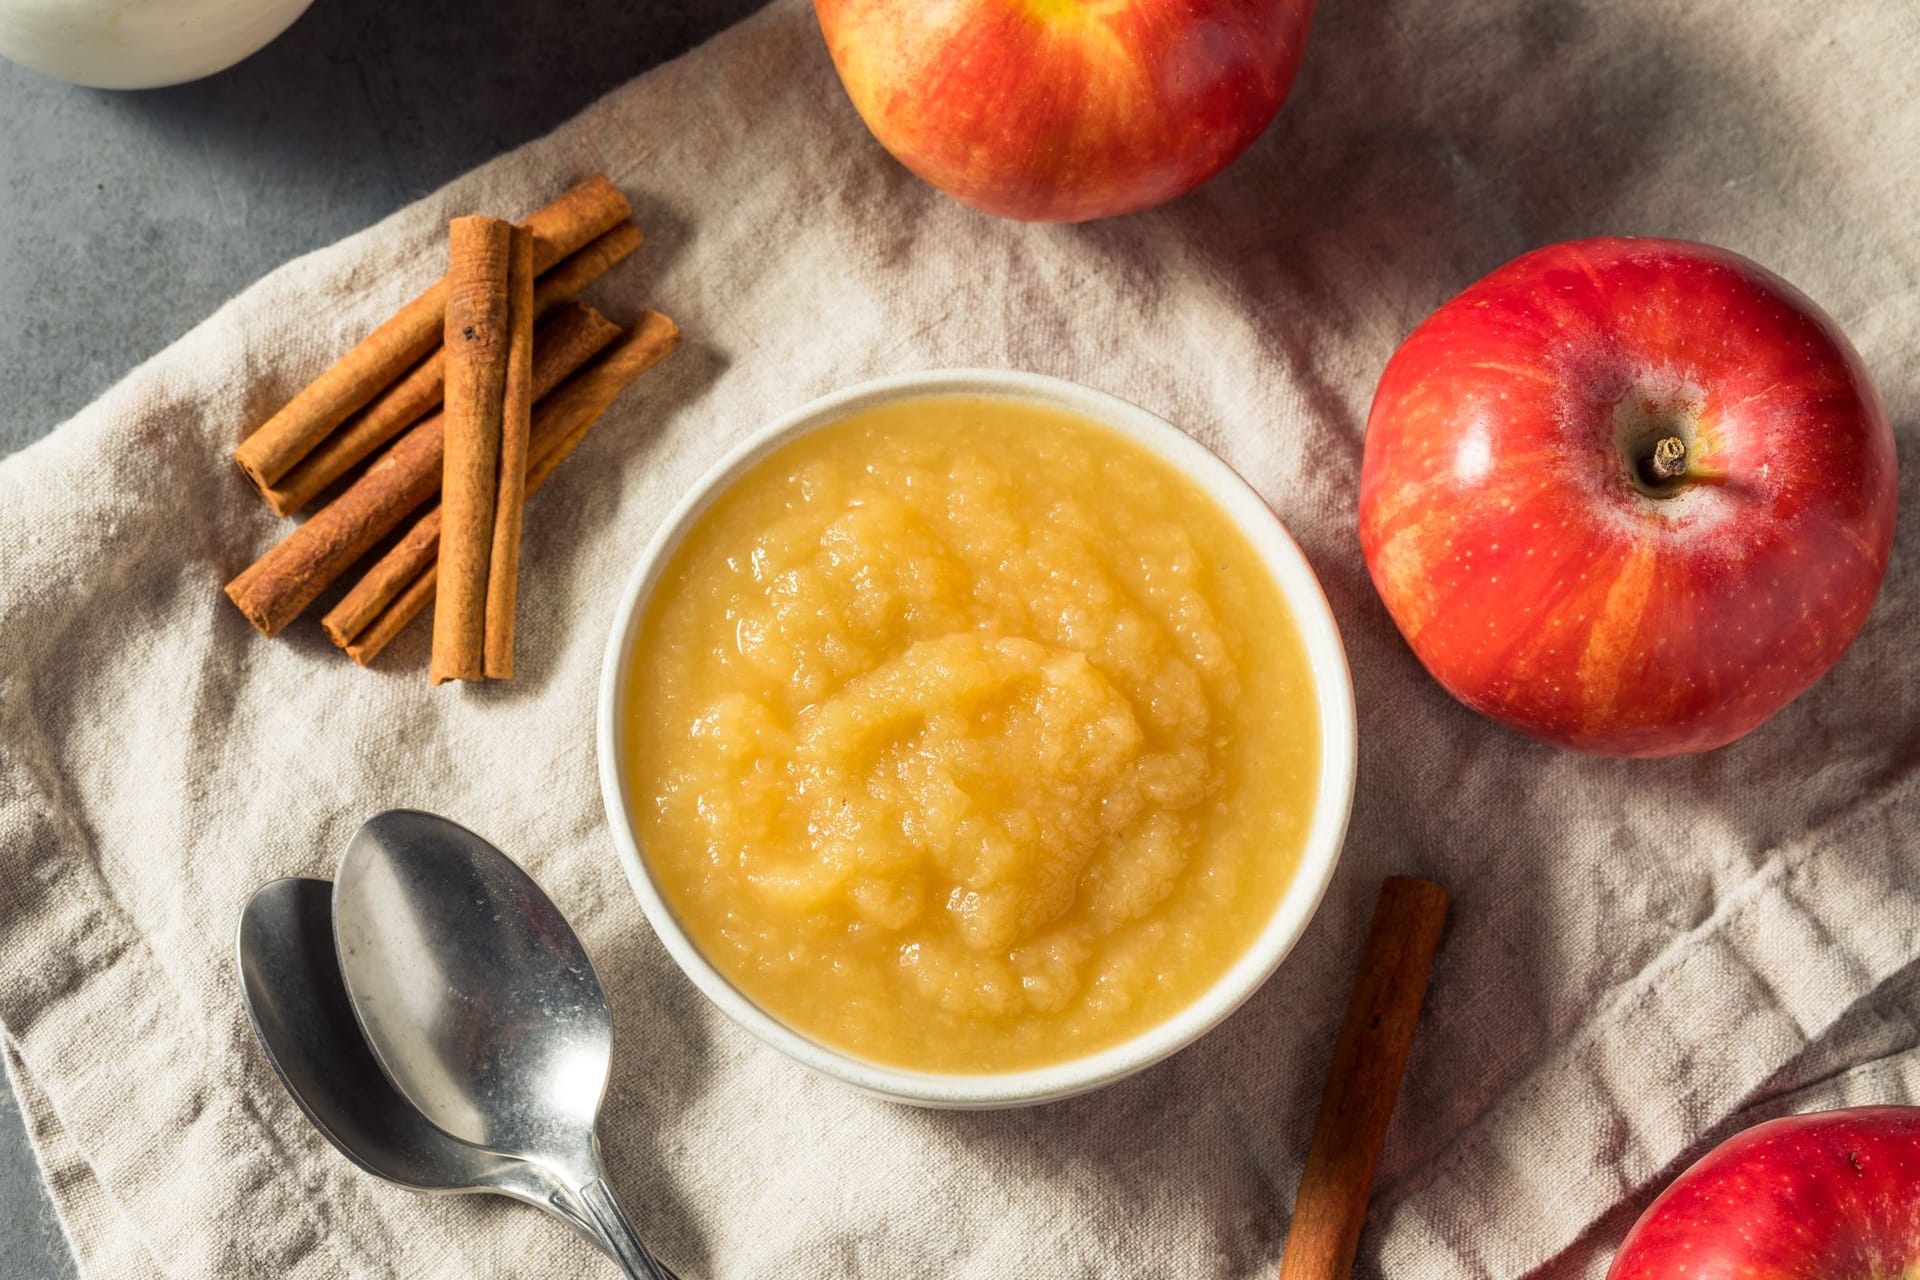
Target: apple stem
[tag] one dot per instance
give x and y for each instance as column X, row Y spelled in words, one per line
column 1669, row 460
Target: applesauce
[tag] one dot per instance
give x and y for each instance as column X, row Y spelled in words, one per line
column 967, row 735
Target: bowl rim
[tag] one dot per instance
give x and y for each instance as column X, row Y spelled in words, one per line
column 1333, row 688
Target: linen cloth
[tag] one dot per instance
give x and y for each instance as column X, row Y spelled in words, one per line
column 1642, row 956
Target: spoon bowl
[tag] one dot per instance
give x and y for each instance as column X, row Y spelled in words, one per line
column 479, row 1002
column 290, row 984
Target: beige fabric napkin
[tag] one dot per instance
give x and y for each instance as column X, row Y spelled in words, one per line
column 1640, row 953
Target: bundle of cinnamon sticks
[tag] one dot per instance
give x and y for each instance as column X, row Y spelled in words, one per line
column 524, row 371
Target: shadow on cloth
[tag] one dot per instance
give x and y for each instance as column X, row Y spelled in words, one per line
column 661, row 1067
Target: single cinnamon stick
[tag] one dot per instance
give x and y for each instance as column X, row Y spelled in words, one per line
column 568, row 279
column 418, row 549
column 565, row 417
column 420, row 391
column 1364, row 1080
column 477, row 343
column 578, row 217
column 277, row 587
column 510, row 481
column 393, row 620
column 372, row 365
column 394, row 591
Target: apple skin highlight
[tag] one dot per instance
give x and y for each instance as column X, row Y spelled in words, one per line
column 1513, row 524
column 1833, row 1194
column 1065, row 110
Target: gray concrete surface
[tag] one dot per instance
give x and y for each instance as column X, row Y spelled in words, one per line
column 30, row 1243
column 127, row 218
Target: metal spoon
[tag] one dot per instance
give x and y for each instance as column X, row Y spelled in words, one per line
column 480, row 1003
column 290, row 983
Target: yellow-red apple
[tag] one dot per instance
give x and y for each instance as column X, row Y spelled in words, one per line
column 1063, row 110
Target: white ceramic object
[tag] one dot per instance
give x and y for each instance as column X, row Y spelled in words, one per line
column 1326, row 656
column 138, row 44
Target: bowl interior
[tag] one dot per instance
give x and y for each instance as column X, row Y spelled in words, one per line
column 1333, row 798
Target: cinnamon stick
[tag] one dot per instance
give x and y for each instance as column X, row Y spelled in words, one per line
column 394, row 591
column 405, row 607
column 565, row 417
column 477, row 342
column 369, row 367
column 585, row 212
column 276, row 588
column 386, row 581
column 420, row 391
column 1364, row 1080
column 379, row 359
column 510, row 483
column 569, row 278
column 401, row 405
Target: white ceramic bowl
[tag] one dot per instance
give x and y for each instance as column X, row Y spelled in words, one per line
column 1325, row 655
column 138, row 44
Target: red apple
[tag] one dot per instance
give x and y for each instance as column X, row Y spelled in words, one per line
column 1835, row 1195
column 1062, row 110
column 1628, row 496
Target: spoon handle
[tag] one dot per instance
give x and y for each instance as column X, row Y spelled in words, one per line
column 619, row 1233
